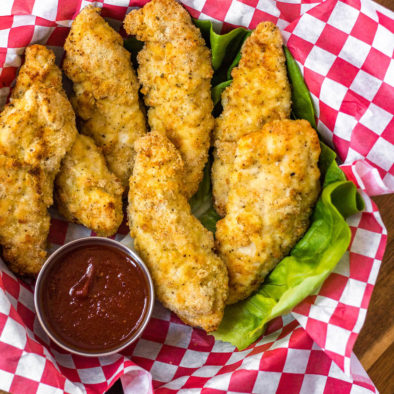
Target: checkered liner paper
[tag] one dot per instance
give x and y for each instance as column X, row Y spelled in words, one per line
column 345, row 50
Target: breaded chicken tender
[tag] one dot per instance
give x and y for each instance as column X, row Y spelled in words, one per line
column 106, row 89
column 259, row 93
column 24, row 221
column 86, row 191
column 175, row 73
column 37, row 128
column 274, row 185
column 189, row 278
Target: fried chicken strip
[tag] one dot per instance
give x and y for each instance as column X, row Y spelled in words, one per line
column 24, row 221
column 259, row 93
column 106, row 89
column 37, row 128
column 189, row 278
column 274, row 185
column 86, row 191
column 175, row 72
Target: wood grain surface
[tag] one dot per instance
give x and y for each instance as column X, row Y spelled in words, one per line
column 387, row 3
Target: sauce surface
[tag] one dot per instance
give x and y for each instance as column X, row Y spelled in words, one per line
column 95, row 298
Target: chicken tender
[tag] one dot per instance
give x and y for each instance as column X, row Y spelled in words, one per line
column 37, row 128
column 274, row 185
column 24, row 220
column 175, row 73
column 106, row 89
column 86, row 191
column 189, row 278
column 259, row 93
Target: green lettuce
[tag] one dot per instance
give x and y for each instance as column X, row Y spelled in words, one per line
column 201, row 203
column 315, row 256
column 224, row 47
column 302, row 106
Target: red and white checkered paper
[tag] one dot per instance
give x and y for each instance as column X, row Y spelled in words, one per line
column 345, row 50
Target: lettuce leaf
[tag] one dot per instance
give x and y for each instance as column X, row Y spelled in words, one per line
column 201, row 203
column 216, row 91
column 315, row 256
column 223, row 46
column 302, row 106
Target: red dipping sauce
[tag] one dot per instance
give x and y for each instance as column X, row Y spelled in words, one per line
column 94, row 298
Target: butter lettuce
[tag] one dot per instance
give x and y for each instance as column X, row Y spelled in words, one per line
column 201, row 203
column 224, row 47
column 315, row 256
column 302, row 106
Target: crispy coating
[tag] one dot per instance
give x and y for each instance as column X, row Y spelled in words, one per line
column 189, row 278
column 86, row 191
column 274, row 185
column 259, row 93
column 175, row 73
column 37, row 128
column 24, row 220
column 106, row 89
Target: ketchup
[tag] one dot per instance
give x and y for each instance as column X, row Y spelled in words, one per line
column 95, row 298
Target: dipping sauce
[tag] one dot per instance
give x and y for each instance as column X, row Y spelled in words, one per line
column 94, row 298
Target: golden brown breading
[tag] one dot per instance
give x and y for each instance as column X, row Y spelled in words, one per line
column 273, row 186
column 37, row 128
column 24, row 220
column 106, row 89
column 189, row 278
column 86, row 191
column 259, row 93
column 175, row 72
column 39, row 69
